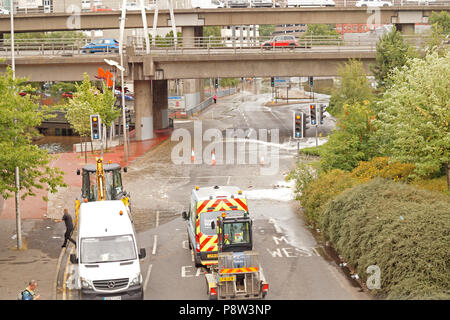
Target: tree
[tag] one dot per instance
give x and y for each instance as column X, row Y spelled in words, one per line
column 266, row 30
column 353, row 87
column 350, row 142
column 440, row 28
column 89, row 100
column 414, row 116
column 18, row 118
column 392, row 52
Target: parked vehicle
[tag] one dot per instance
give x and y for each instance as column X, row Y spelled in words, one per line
column 262, row 3
column 310, row 3
column 4, row 11
column 133, row 6
column 102, row 45
column 281, row 41
column 373, row 3
column 207, row 4
column 107, row 253
column 238, row 3
column 100, row 8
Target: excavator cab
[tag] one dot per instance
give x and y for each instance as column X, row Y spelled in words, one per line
column 234, row 233
column 113, row 188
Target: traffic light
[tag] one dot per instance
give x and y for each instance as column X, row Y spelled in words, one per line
column 313, row 114
column 216, row 83
column 272, row 82
column 95, row 127
column 299, row 125
column 321, row 111
column 311, row 81
column 128, row 115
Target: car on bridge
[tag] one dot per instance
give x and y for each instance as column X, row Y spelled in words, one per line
column 373, row 3
column 100, row 8
column 286, row 41
column 102, row 45
column 310, row 3
column 262, row 3
column 4, row 11
column 207, row 4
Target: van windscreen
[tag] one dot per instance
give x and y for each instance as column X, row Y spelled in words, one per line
column 107, row 249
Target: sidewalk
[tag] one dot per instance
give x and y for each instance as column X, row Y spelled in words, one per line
column 41, row 236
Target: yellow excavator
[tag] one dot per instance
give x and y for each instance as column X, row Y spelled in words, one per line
column 102, row 182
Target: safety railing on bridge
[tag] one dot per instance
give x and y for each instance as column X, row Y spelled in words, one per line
column 26, row 7
column 203, row 45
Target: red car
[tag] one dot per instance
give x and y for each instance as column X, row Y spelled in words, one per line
column 281, row 41
column 67, row 95
column 100, row 8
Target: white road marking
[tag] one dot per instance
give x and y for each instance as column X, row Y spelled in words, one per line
column 147, row 277
column 155, row 240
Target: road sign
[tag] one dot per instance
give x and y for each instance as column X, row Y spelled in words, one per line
column 282, row 82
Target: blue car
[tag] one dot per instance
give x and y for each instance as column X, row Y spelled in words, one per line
column 102, row 45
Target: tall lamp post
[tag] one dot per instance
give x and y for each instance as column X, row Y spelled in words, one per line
column 122, row 29
column 16, row 173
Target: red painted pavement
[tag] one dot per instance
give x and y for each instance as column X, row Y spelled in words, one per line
column 35, row 207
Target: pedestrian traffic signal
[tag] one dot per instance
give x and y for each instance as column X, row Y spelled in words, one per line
column 311, row 81
column 272, row 82
column 299, row 125
column 216, row 83
column 95, row 127
column 313, row 114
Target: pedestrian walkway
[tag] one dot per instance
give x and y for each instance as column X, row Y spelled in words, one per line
column 42, row 237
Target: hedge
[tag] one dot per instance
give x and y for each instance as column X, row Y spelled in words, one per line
column 403, row 230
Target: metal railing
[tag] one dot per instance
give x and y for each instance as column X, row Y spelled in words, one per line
column 116, row 5
column 204, row 45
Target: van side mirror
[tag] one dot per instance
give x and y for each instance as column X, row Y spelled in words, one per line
column 73, row 259
column 184, row 215
column 142, row 253
column 213, row 225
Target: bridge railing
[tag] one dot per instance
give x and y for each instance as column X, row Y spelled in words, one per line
column 116, row 5
column 203, row 45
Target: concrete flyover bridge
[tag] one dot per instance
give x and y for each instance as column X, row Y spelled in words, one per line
column 198, row 18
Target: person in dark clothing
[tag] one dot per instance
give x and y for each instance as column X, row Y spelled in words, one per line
column 67, row 218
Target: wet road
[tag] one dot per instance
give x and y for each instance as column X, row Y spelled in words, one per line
column 292, row 259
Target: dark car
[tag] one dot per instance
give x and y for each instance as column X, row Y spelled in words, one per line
column 102, row 45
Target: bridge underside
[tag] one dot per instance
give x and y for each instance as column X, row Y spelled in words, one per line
column 190, row 66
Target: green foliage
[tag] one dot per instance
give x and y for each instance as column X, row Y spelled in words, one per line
column 89, row 100
column 413, row 121
column 401, row 229
column 311, row 151
column 318, row 192
column 229, row 82
column 441, row 20
column 392, row 52
column 350, row 142
column 18, row 118
column 382, row 167
column 266, row 30
column 58, row 35
column 60, row 87
column 353, row 87
column 321, row 30
column 303, row 174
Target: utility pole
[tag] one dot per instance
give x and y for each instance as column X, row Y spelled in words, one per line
column 16, row 171
column 122, row 29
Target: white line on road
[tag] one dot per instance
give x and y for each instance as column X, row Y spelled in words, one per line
column 147, row 277
column 155, row 240
column 157, row 219
column 228, row 180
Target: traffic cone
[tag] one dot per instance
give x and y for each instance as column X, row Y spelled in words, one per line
column 192, row 156
column 213, row 158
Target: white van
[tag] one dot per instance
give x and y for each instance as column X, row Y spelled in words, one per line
column 207, row 4
column 310, row 3
column 107, row 253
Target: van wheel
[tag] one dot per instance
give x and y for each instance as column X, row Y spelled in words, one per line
column 197, row 261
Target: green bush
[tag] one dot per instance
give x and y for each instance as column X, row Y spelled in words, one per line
column 403, row 230
column 382, row 167
column 322, row 189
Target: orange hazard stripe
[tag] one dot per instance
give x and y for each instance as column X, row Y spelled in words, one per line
column 237, row 270
column 242, row 204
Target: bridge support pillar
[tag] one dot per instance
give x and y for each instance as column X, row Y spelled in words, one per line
column 406, row 28
column 193, row 91
column 160, row 105
column 192, row 36
column 143, row 108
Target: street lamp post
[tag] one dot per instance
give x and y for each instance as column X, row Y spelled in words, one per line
column 122, row 29
column 16, row 172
